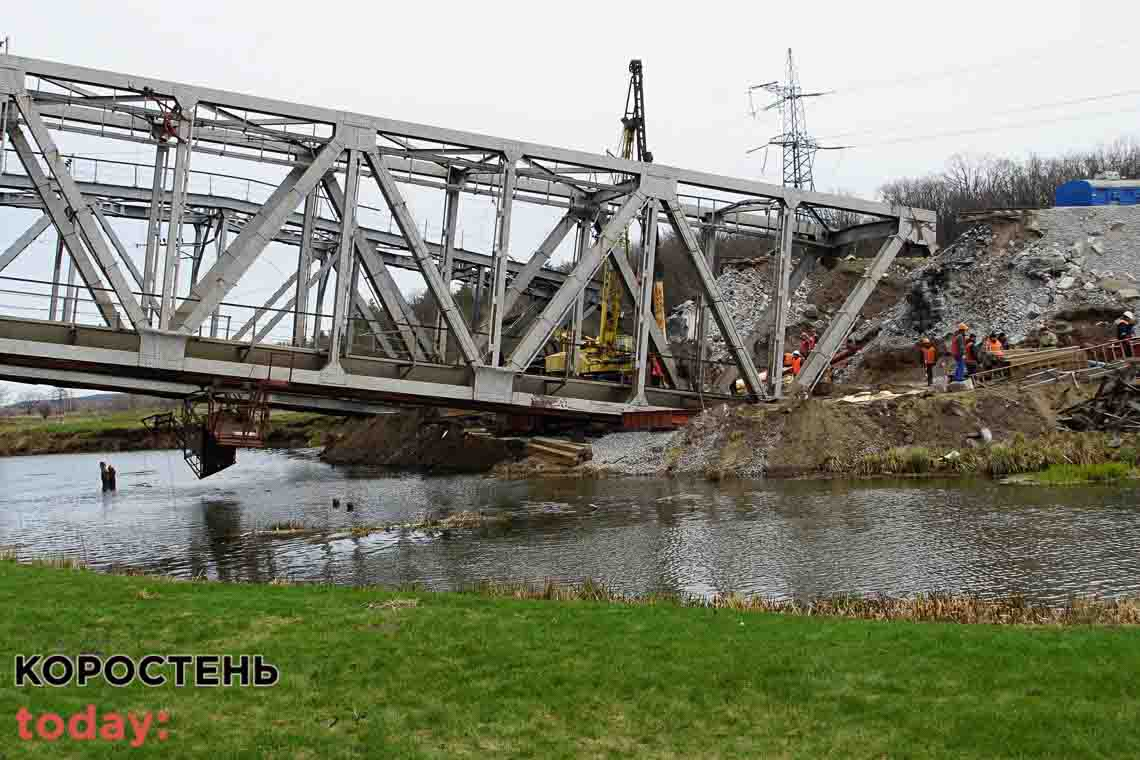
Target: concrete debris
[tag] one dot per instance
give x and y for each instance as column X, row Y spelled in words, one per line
column 746, row 293
column 1008, row 276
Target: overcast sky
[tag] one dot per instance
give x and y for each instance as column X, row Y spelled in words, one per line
column 991, row 77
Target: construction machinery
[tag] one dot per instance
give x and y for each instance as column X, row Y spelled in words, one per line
column 610, row 354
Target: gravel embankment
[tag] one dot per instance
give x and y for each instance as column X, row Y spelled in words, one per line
column 633, row 453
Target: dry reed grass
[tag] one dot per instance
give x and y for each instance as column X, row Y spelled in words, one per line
column 921, row 608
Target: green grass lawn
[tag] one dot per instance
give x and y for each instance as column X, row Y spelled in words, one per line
column 124, row 430
column 462, row 675
column 82, row 422
column 117, row 420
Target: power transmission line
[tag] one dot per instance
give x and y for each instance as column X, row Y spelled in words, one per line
column 1044, row 53
column 1020, row 109
column 995, row 128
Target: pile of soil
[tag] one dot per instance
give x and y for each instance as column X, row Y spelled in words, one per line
column 821, row 435
column 421, row 440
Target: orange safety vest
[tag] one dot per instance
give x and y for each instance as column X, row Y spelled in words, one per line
column 797, row 362
column 929, row 354
column 994, row 347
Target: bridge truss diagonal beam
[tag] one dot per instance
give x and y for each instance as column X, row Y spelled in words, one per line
column 576, row 282
column 633, row 287
column 113, row 236
column 820, row 358
column 26, row 238
column 436, row 286
column 61, row 218
column 711, row 292
column 380, row 280
column 79, row 210
column 209, row 292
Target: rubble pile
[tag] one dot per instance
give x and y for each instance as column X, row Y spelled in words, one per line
column 1011, row 276
column 746, row 292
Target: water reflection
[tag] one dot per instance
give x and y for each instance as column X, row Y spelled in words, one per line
column 782, row 539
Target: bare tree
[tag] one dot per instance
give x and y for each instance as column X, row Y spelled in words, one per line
column 972, row 182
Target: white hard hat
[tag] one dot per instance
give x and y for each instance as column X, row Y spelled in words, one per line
column 1128, row 315
column 795, row 353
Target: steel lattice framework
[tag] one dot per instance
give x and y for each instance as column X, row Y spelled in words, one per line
column 158, row 337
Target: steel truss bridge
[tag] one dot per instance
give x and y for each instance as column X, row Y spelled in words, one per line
column 167, row 328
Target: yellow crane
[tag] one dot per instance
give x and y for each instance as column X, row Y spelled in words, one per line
column 609, row 356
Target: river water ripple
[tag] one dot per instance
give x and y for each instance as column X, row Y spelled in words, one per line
column 781, row 539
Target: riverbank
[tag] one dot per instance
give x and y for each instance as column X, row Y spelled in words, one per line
column 994, row 432
column 366, row 672
column 124, row 431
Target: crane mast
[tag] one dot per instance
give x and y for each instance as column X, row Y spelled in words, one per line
column 609, row 355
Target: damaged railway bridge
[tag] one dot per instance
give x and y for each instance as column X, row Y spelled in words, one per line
column 170, row 327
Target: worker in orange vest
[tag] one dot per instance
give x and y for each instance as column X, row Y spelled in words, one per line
column 797, row 362
column 929, row 358
column 994, row 346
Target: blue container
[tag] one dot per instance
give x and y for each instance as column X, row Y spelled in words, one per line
column 1098, row 192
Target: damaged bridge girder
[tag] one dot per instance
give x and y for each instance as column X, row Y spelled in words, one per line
column 326, row 160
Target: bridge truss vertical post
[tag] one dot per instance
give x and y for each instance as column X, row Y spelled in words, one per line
column 450, row 222
column 500, row 256
column 174, row 223
column 345, row 261
column 644, row 302
column 56, row 278
column 708, row 243
column 322, row 286
column 580, row 245
column 781, row 276
column 304, row 266
column 153, row 228
column 72, row 297
column 219, row 248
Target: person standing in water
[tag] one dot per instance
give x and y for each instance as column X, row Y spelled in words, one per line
column 107, row 476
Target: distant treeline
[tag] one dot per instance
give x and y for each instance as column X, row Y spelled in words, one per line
column 970, row 182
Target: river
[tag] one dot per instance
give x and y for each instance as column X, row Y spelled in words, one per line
column 781, row 538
